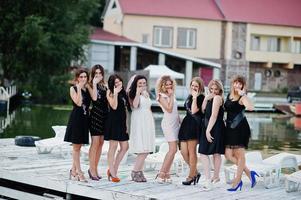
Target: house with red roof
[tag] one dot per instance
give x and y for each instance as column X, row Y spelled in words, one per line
column 260, row 39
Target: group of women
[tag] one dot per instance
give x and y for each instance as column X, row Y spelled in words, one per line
column 203, row 126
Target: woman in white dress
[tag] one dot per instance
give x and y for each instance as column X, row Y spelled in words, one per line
column 170, row 123
column 142, row 132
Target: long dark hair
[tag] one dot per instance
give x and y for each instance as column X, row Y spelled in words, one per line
column 133, row 88
column 122, row 93
column 93, row 70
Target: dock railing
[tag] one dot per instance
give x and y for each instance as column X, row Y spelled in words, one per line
column 6, row 93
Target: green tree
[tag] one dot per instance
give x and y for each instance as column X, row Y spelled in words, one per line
column 38, row 41
column 95, row 20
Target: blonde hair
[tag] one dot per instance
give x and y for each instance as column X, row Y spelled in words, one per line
column 160, row 86
column 240, row 79
column 200, row 82
column 219, row 85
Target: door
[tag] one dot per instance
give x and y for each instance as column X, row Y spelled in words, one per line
column 258, row 81
column 206, row 74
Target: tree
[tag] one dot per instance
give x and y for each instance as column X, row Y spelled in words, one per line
column 38, row 40
column 95, row 20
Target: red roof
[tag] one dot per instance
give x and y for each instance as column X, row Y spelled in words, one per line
column 276, row 12
column 100, row 34
column 199, row 9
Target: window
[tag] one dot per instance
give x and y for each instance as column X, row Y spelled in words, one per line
column 186, row 38
column 114, row 5
column 297, row 46
column 162, row 36
column 274, row 44
column 255, row 43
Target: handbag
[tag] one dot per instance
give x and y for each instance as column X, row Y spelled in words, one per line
column 237, row 119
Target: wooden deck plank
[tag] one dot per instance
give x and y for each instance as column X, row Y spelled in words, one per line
column 24, row 165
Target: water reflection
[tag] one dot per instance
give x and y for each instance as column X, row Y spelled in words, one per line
column 271, row 133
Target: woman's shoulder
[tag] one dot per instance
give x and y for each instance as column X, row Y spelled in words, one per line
column 218, row 98
column 73, row 88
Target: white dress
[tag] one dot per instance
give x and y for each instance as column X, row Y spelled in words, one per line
column 170, row 123
column 142, row 132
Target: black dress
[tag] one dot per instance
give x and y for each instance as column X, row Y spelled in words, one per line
column 115, row 128
column 77, row 131
column 191, row 125
column 239, row 136
column 217, row 132
column 99, row 112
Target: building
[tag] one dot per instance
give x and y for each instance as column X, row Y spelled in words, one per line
column 260, row 39
column 118, row 53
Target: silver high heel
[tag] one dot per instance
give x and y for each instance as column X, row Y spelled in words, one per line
column 159, row 179
column 167, row 178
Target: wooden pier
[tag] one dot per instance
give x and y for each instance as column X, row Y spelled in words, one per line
column 48, row 173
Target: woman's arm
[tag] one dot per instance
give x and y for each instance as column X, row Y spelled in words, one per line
column 167, row 105
column 112, row 99
column 244, row 100
column 93, row 91
column 76, row 96
column 207, row 98
column 194, row 105
column 217, row 102
column 136, row 100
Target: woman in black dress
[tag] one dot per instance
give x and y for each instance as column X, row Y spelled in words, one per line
column 191, row 128
column 238, row 130
column 77, row 131
column 116, row 129
column 211, row 140
column 98, row 117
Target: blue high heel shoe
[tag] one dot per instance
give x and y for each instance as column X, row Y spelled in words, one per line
column 234, row 189
column 253, row 178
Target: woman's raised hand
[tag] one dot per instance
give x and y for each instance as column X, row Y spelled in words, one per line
column 117, row 89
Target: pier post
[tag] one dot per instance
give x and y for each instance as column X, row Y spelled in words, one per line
column 68, row 196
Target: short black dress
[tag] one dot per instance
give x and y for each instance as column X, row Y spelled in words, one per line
column 191, row 125
column 115, row 128
column 77, row 131
column 99, row 112
column 217, row 132
column 239, row 136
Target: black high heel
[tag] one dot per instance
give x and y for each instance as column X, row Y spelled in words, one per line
column 94, row 178
column 72, row 176
column 192, row 180
column 198, row 176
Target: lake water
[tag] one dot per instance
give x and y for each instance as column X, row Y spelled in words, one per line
column 271, row 133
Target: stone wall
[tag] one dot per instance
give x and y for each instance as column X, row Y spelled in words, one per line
column 238, row 63
column 273, row 79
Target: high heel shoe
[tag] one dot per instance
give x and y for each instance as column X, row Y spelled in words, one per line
column 72, row 176
column 253, row 178
column 216, row 180
column 81, row 177
column 198, row 176
column 167, row 178
column 234, row 189
column 94, row 178
column 112, row 178
column 159, row 179
column 188, row 182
